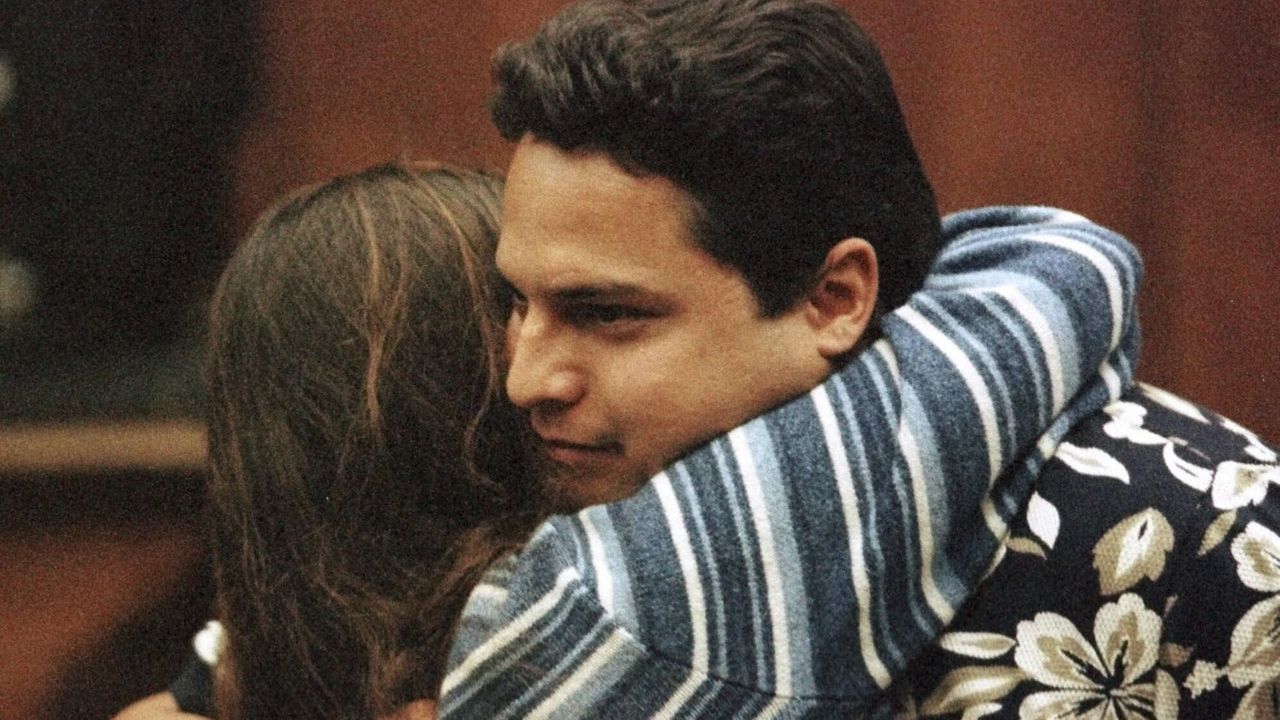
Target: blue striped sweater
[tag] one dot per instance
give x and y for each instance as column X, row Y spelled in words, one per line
column 796, row 565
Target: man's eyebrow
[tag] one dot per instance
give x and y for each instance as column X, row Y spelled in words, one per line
column 599, row 291
column 584, row 290
column 588, row 291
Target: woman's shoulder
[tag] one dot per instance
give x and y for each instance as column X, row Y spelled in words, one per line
column 1144, row 561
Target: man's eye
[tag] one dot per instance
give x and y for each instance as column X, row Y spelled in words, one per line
column 592, row 314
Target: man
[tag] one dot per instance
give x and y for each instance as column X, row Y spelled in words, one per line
column 713, row 205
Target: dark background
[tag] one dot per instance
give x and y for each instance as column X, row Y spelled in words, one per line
column 142, row 136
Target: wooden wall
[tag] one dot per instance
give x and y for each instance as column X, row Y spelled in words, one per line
column 1160, row 120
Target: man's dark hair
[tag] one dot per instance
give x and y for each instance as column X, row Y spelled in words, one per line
column 778, row 117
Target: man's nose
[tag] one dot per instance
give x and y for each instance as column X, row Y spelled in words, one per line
column 543, row 372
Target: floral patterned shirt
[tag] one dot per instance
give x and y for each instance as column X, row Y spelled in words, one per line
column 1142, row 580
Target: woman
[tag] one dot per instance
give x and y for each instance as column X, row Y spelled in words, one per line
column 365, row 469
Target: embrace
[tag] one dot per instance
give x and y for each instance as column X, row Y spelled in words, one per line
column 704, row 411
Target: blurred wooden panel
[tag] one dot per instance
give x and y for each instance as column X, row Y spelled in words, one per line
column 1213, row 256
column 346, row 86
column 67, row 591
column 1157, row 120
column 1162, row 122
column 1014, row 102
column 104, row 578
column 101, row 447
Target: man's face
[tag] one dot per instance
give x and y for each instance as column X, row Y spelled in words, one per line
column 629, row 344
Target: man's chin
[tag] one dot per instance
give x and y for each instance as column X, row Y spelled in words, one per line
column 571, row 489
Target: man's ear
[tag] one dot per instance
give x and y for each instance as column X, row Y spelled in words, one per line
column 843, row 301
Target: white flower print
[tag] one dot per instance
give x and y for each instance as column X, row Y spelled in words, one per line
column 1255, row 646
column 1237, row 484
column 1173, row 402
column 1135, row 548
column 1257, row 554
column 1256, row 449
column 1044, row 520
column 1203, row 678
column 1092, row 461
column 1190, row 474
column 1126, row 424
column 1111, row 677
column 1254, row 664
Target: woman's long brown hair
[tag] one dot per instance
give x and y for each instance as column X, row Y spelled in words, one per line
column 365, row 467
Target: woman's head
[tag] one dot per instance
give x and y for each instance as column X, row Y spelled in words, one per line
column 365, row 468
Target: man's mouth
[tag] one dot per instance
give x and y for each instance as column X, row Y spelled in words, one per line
column 576, row 454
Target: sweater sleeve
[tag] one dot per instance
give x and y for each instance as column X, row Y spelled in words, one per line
column 800, row 561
